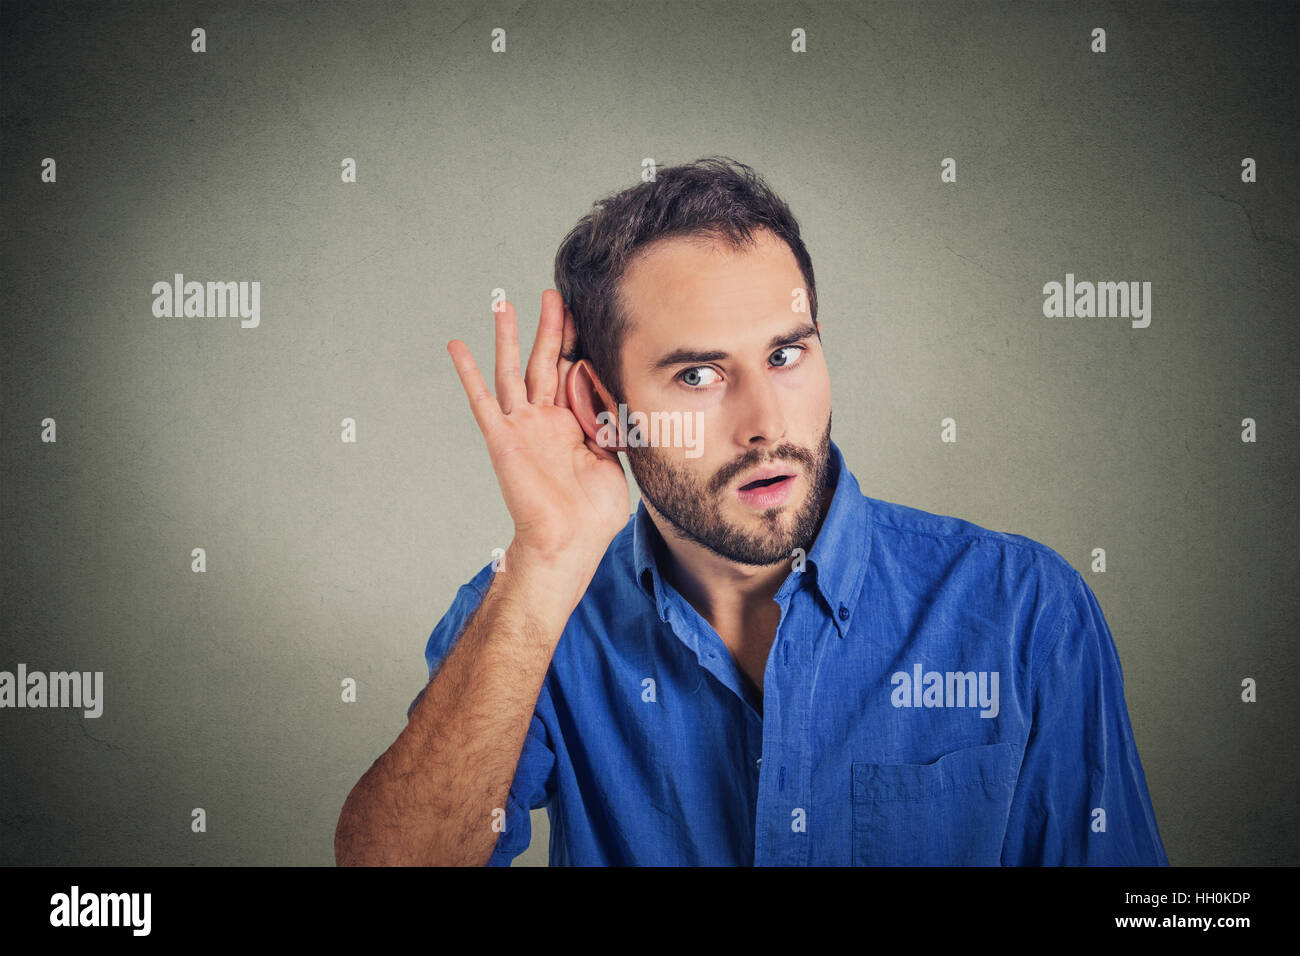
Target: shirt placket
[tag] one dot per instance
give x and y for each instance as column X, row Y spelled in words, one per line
column 783, row 814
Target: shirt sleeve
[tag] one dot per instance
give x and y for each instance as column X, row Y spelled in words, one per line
column 1081, row 798
column 532, row 786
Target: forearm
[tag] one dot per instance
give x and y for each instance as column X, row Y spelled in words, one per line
column 429, row 799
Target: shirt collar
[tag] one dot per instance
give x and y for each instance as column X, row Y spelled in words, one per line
column 838, row 559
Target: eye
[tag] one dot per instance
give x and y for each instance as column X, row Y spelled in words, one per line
column 694, row 376
column 791, row 360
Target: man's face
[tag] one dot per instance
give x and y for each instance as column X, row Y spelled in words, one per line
column 713, row 331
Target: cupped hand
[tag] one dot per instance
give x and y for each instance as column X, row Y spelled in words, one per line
column 567, row 495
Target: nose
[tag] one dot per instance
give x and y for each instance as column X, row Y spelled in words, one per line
column 761, row 419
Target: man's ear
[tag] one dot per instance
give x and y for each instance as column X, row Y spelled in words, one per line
column 587, row 399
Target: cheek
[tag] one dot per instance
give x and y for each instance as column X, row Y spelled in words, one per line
column 809, row 399
column 818, row 397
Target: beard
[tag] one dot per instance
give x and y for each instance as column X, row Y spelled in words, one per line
column 692, row 505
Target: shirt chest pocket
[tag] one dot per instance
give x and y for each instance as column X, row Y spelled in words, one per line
column 952, row 812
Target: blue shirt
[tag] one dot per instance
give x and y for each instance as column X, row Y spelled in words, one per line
column 937, row 694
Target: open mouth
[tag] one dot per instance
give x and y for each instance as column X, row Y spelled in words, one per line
column 773, row 491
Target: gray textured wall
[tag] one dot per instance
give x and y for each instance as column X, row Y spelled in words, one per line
column 329, row 560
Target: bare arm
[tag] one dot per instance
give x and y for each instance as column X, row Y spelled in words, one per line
column 429, row 798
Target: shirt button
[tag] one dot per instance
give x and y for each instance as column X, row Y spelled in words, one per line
column 844, row 613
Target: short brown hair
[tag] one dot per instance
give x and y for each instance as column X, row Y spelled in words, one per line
column 714, row 197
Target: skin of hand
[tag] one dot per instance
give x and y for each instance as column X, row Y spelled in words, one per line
column 568, row 497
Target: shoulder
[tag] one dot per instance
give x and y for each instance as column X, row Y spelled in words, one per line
column 908, row 534
column 978, row 574
column 617, row 617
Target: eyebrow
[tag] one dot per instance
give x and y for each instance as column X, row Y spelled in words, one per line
column 697, row 357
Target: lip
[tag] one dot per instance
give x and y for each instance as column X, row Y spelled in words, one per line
column 768, row 496
column 759, row 474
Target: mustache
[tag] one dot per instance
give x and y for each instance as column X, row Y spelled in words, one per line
column 786, row 452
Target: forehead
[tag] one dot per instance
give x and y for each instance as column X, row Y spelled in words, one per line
column 704, row 285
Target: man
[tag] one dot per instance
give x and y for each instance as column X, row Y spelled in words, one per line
column 762, row 666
